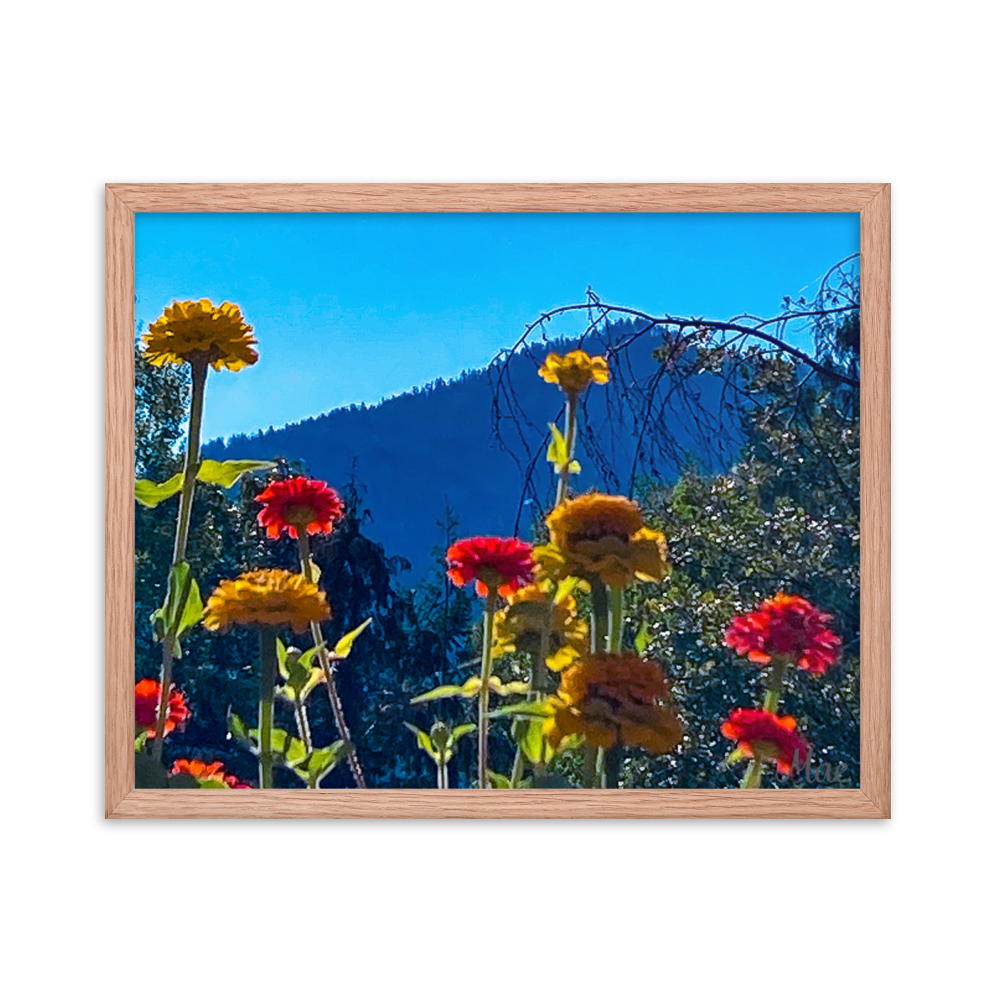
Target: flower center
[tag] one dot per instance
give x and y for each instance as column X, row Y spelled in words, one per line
column 300, row 514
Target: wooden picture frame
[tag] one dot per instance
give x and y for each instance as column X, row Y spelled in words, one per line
column 871, row 800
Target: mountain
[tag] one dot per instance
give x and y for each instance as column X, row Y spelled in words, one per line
column 435, row 446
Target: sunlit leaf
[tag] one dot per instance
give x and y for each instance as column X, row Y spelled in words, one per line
column 343, row 648
column 423, row 739
column 526, row 710
column 149, row 494
column 182, row 608
column 228, row 473
column 642, row 638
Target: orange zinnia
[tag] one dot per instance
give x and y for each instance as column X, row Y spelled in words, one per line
column 574, row 371
column 200, row 331
column 499, row 564
column 788, row 627
column 210, row 773
column 147, row 704
column 299, row 504
column 614, row 699
column 767, row 736
column 269, row 598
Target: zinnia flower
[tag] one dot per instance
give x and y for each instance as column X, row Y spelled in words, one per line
column 299, row 504
column 500, row 564
column 207, row 774
column 188, row 331
column 147, row 704
column 268, row 597
column 614, row 699
column 767, row 736
column 789, row 627
column 601, row 536
column 520, row 626
column 574, row 371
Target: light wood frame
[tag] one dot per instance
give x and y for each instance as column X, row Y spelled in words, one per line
column 871, row 800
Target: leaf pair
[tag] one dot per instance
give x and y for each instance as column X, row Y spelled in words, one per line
column 440, row 742
column 225, row 474
column 312, row 766
column 182, row 608
column 470, row 689
column 558, row 453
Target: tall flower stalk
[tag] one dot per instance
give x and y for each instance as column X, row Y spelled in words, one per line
column 782, row 632
column 303, row 507
column 499, row 567
column 192, row 460
column 198, row 334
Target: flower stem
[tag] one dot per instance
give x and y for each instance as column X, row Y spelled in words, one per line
column 589, row 765
column 268, row 672
column 484, row 690
column 752, row 778
column 617, row 619
column 331, row 685
column 302, row 722
column 775, row 681
column 598, row 617
column 534, row 694
column 199, row 375
column 570, row 436
column 442, row 769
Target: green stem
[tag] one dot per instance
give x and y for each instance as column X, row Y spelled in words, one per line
column 752, row 778
column 589, row 765
column 775, row 682
column 484, row 690
column 192, row 461
column 302, row 722
column 613, row 767
column 617, row 615
column 570, row 436
column 598, row 617
column 319, row 642
column 268, row 673
column 442, row 772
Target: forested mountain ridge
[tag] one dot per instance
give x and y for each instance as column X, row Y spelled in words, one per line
column 440, row 445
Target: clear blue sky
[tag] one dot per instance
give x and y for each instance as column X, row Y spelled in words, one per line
column 352, row 308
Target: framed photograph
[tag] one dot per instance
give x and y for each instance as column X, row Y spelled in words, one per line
column 871, row 798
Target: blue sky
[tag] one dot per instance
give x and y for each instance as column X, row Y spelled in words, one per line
column 352, row 308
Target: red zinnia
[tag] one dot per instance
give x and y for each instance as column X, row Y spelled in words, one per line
column 299, row 504
column 764, row 734
column 147, row 703
column 789, row 627
column 501, row 564
column 201, row 771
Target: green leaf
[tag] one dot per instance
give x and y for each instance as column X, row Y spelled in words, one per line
column 525, row 710
column 239, row 731
column 175, row 618
column 343, row 648
column 558, row 453
column 228, row 473
column 149, row 494
column 565, row 588
column 642, row 638
column 462, row 730
column 423, row 739
column 533, row 742
column 498, row 780
column 321, row 762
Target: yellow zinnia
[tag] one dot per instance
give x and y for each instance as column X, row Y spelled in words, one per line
column 269, row 597
column 573, row 372
column 596, row 536
column 614, row 699
column 192, row 331
column 519, row 627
